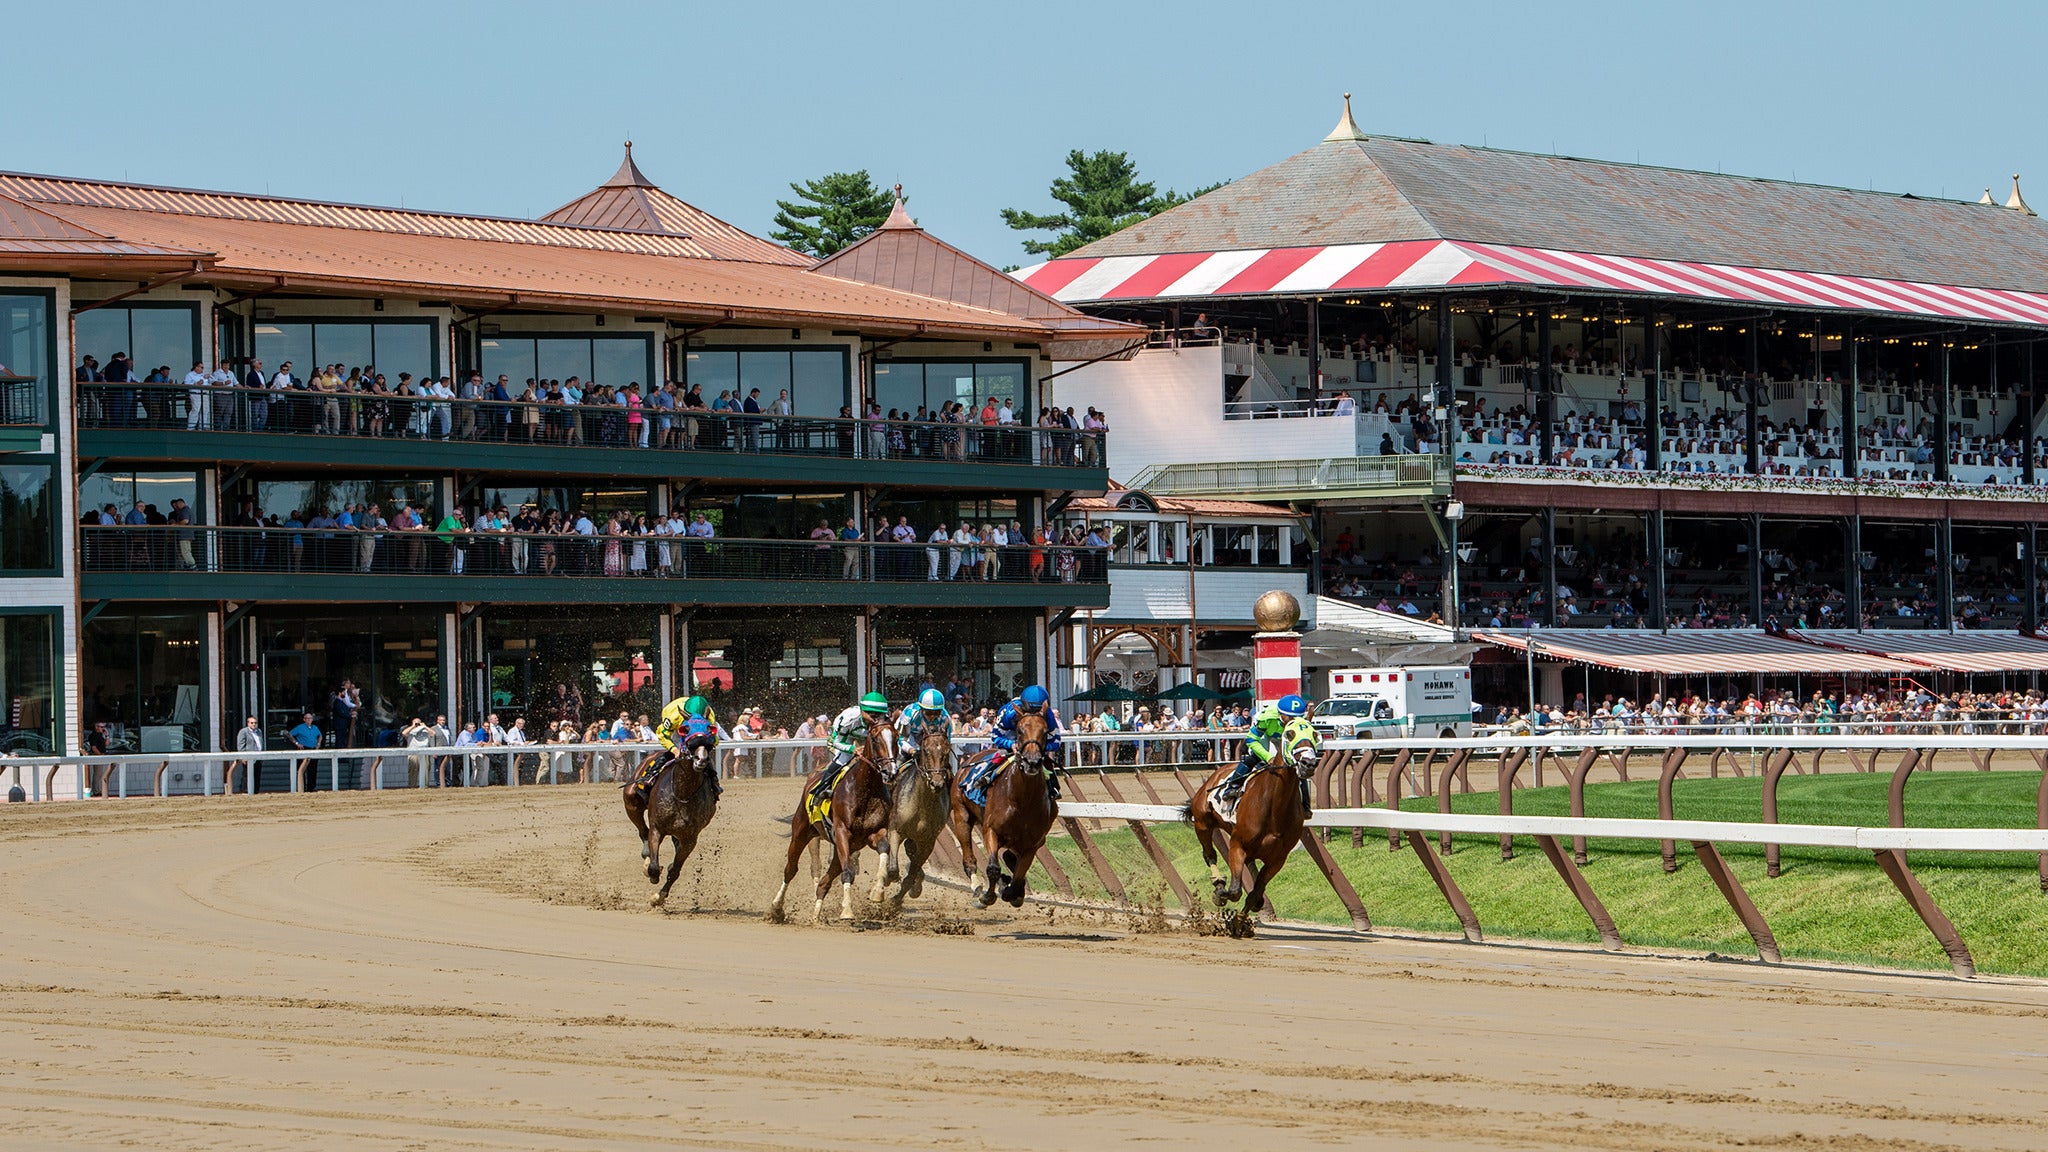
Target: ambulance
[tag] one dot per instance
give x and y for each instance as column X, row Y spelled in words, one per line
column 1391, row 703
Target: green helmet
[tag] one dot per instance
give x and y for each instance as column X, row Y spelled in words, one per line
column 696, row 705
column 875, row 704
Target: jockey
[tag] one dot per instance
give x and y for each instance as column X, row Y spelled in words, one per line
column 1280, row 732
column 686, row 723
column 1035, row 701
column 849, row 730
column 926, row 714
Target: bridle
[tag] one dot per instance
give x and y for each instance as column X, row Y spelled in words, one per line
column 935, row 759
column 881, row 736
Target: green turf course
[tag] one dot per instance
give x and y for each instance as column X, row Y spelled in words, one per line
column 1827, row 904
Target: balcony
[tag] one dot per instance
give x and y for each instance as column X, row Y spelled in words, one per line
column 21, row 413
column 1409, row 477
column 199, row 562
column 372, row 430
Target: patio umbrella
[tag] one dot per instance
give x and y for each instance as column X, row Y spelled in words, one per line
column 1190, row 691
column 1108, row 694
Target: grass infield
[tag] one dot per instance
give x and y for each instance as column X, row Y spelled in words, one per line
column 1826, row 904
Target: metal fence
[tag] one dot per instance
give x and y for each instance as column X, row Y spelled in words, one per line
column 294, row 411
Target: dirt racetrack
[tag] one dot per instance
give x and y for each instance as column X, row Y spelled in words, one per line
column 479, row 970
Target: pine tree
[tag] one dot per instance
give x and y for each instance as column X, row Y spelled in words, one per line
column 1103, row 195
column 830, row 213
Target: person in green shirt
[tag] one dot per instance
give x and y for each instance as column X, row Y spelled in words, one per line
column 453, row 532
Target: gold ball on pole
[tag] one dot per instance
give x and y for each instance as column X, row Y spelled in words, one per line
column 1276, row 611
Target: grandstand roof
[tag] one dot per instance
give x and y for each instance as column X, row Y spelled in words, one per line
column 1457, row 215
column 630, row 201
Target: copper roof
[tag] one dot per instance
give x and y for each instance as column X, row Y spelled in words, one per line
column 1376, row 189
column 632, row 202
column 257, row 253
column 1116, row 499
column 29, row 234
column 902, row 255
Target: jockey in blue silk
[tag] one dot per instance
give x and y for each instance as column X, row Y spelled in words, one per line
column 925, row 714
column 686, row 723
column 1033, row 700
column 1280, row 733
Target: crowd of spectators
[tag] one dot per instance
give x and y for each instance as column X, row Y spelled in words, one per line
column 1908, row 709
column 335, row 400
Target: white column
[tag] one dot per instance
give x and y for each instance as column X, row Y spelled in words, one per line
column 216, row 685
column 666, row 656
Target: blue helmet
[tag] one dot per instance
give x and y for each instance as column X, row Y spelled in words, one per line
column 1034, row 697
column 1292, row 705
column 931, row 700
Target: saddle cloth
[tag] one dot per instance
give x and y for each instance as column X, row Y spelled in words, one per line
column 818, row 800
column 979, row 772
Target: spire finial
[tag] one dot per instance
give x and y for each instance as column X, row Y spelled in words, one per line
column 1986, row 199
column 899, row 217
column 2017, row 202
column 1347, row 128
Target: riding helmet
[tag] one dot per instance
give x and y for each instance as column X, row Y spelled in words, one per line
column 696, row 705
column 875, row 703
column 931, row 700
column 1035, row 696
column 1292, row 705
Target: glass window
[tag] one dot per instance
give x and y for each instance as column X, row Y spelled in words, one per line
column 349, row 345
column 141, row 676
column 816, row 378
column 714, row 372
column 405, row 348
column 28, row 723
column 899, row 386
column 281, row 498
column 943, row 382
column 393, row 655
column 558, row 358
column 1004, row 381
column 508, row 356
column 28, row 510
column 768, row 371
column 153, row 335
column 819, row 387
column 25, row 352
column 581, row 671
column 280, row 343
column 622, row 361
column 124, row 490
column 793, row 666
column 389, row 347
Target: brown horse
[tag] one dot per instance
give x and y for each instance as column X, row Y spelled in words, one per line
column 859, row 819
column 918, row 812
column 681, row 800
column 1268, row 825
column 1019, row 812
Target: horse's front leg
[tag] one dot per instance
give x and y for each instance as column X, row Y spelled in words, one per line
column 1234, row 853
column 1206, row 827
column 885, row 875
column 848, row 854
column 993, row 872
column 962, row 823
column 800, row 835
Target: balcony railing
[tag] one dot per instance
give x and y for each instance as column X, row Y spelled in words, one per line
column 374, row 415
column 21, row 401
column 426, row 552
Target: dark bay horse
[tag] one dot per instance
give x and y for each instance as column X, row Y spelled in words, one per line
column 859, row 819
column 680, row 802
column 1268, row 825
column 919, row 807
column 1019, row 812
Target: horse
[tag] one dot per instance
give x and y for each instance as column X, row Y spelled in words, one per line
column 919, row 808
column 859, row 819
column 675, row 810
column 1019, row 812
column 1268, row 825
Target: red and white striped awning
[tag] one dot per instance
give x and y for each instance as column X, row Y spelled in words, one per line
column 1979, row 652
column 1449, row 263
column 1698, row 653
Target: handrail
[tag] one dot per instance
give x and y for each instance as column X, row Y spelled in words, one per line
column 430, row 551
column 21, row 402
column 369, row 415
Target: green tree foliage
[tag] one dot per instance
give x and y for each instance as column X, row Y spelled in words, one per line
column 1103, row 194
column 830, row 213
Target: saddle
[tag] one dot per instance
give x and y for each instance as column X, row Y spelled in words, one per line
column 1224, row 805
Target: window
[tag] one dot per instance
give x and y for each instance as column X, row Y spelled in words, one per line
column 281, row 498
column 25, row 351
column 124, row 490
column 388, row 346
column 28, row 705
column 28, row 510
column 154, row 336
column 906, row 384
column 142, row 676
column 618, row 361
column 815, row 378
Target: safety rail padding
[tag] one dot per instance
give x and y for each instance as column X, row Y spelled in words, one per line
column 1710, row 831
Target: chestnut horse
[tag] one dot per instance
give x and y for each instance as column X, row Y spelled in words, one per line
column 859, row 819
column 1267, row 826
column 1019, row 812
column 681, row 800
column 918, row 809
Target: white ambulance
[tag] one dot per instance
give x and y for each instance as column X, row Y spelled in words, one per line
column 1389, row 703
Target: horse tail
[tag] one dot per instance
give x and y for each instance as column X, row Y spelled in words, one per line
column 1187, row 810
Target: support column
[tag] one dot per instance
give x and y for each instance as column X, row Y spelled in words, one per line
column 216, row 685
column 1315, row 350
column 2027, row 424
column 1851, row 455
column 1446, row 349
column 451, row 665
column 1654, row 536
column 2030, row 579
column 1941, row 439
column 1944, row 573
column 1546, row 402
column 1756, row 566
column 863, row 626
column 1752, row 385
column 1549, row 522
column 1852, row 582
column 665, row 653
column 1276, row 663
column 1653, row 403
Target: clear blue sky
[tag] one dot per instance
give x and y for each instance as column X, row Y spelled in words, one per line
column 515, row 108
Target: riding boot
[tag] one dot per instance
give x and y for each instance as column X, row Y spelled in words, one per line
column 1307, row 809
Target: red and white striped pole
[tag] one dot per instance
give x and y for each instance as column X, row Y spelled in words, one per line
column 1276, row 649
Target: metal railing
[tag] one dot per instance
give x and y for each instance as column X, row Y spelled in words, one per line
column 432, row 552
column 21, row 402
column 1308, row 479
column 174, row 407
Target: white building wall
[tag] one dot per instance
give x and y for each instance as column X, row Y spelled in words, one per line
column 1159, row 595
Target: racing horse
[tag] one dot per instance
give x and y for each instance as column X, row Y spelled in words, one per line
column 1018, row 813
column 681, row 800
column 858, row 818
column 1265, row 828
column 920, row 802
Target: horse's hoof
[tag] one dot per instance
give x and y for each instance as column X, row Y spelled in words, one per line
column 656, row 900
column 1221, row 900
column 776, row 915
column 985, row 897
column 643, row 851
column 914, row 889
